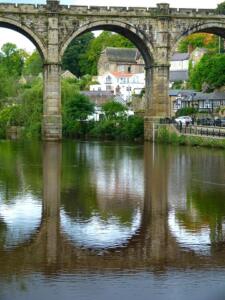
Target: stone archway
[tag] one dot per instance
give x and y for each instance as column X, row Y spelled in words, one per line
column 217, row 28
column 130, row 32
column 27, row 32
column 157, row 72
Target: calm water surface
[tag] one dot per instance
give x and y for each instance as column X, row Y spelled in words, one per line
column 111, row 221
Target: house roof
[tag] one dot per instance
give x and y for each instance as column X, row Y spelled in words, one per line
column 97, row 93
column 181, row 92
column 188, row 94
column 121, row 74
column 68, row 74
column 181, row 75
column 131, row 55
column 180, row 56
column 128, row 55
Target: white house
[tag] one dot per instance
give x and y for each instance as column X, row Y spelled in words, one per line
column 179, row 67
column 120, row 83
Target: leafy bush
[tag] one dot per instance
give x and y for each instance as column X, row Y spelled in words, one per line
column 186, row 111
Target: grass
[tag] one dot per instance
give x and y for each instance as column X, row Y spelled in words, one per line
column 166, row 136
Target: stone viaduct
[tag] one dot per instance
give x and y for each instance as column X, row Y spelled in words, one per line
column 154, row 31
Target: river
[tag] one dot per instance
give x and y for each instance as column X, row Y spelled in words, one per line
column 94, row 221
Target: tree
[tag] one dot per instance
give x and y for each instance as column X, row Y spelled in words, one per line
column 113, row 109
column 78, row 108
column 221, row 8
column 33, row 64
column 97, row 45
column 12, row 59
column 73, row 59
column 202, row 40
column 209, row 71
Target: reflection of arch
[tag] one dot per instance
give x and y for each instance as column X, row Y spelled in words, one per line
column 217, row 28
column 122, row 28
column 24, row 30
column 27, row 222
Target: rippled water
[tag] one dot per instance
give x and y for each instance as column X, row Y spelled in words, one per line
column 111, row 221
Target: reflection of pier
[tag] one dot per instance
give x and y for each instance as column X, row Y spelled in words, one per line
column 50, row 250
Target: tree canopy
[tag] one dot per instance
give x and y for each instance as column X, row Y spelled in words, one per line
column 73, row 59
column 83, row 53
column 12, row 59
column 221, row 8
column 113, row 109
column 97, row 45
column 209, row 72
column 202, row 40
column 33, row 64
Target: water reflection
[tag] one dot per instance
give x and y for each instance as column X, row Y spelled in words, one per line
column 20, row 204
column 103, row 201
column 197, row 206
column 150, row 208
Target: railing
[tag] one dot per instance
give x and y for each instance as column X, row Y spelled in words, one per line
column 206, row 131
column 192, row 129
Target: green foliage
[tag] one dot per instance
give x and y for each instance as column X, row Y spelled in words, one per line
column 76, row 109
column 166, row 136
column 209, row 71
column 178, row 85
column 131, row 128
column 186, row 111
column 8, row 87
column 12, row 59
column 74, row 58
column 22, row 104
column 32, row 109
column 33, row 64
column 97, row 45
column 202, row 40
column 221, row 8
column 113, row 109
column 85, row 82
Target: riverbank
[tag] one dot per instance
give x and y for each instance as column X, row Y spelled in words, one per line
column 166, row 135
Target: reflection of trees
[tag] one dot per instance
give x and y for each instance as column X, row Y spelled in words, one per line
column 208, row 202
column 92, row 182
column 3, row 229
column 20, row 166
column 78, row 195
column 197, row 190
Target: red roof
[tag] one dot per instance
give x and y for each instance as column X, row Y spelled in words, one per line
column 121, row 74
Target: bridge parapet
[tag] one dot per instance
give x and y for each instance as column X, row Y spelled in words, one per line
column 22, row 8
column 138, row 11
column 161, row 9
column 193, row 12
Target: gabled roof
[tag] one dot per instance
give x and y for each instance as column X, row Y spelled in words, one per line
column 191, row 94
column 180, row 56
column 128, row 55
column 179, row 75
column 181, row 92
column 131, row 55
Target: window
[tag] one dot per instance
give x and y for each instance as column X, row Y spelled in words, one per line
column 121, row 68
column 108, row 88
column 108, row 80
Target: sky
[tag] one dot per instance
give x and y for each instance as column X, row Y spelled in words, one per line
column 7, row 35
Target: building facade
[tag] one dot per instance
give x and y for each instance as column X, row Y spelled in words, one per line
column 123, row 60
column 120, row 83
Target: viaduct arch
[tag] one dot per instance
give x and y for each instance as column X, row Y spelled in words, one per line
column 155, row 31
